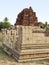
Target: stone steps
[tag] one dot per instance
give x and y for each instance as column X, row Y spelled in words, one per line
column 22, row 57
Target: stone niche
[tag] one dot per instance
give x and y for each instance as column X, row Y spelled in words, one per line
column 27, row 17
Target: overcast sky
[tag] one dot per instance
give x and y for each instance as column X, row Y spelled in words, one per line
column 11, row 8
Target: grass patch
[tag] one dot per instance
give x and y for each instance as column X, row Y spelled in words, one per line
column 0, row 36
column 0, row 39
column 5, row 56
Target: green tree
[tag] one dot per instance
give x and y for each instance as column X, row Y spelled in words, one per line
column 41, row 25
column 44, row 25
column 1, row 25
column 5, row 19
column 5, row 24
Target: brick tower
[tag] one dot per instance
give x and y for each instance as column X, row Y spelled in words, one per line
column 27, row 18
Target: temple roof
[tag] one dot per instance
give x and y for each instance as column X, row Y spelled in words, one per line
column 27, row 17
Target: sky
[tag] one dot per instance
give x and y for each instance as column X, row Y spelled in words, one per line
column 11, row 8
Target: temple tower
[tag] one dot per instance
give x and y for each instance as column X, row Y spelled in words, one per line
column 27, row 18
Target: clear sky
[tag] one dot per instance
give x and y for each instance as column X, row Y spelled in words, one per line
column 11, row 8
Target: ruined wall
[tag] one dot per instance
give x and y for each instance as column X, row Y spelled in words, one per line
column 9, row 37
column 25, row 35
column 26, row 42
column 34, row 35
column 12, row 38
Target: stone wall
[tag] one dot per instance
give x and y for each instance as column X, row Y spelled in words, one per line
column 26, row 42
column 25, row 35
column 34, row 35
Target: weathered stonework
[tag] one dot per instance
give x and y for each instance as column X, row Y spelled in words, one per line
column 26, row 41
column 27, row 18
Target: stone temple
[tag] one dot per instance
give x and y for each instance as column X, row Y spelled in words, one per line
column 26, row 41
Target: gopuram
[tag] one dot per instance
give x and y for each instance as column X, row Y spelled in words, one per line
column 26, row 41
